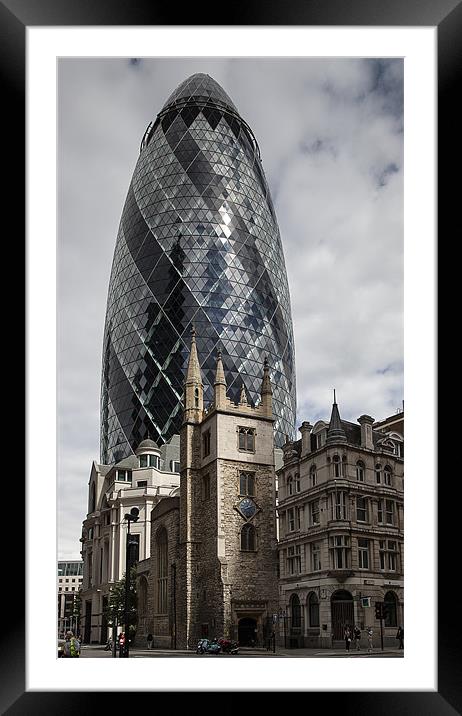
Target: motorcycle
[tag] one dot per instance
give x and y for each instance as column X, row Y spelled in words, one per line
column 228, row 646
column 205, row 646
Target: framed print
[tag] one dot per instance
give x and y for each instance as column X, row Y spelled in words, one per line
column 43, row 53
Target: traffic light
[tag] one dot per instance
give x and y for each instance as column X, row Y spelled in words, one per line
column 378, row 610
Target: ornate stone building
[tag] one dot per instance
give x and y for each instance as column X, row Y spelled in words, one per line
column 341, row 529
column 141, row 480
column 213, row 564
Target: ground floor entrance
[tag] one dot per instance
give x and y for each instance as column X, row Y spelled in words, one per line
column 247, row 631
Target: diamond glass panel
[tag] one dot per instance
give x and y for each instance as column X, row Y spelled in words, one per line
column 198, row 243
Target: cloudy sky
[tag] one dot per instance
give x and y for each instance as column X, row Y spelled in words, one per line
column 331, row 139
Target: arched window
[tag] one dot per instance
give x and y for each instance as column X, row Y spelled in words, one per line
column 378, row 474
column 93, row 498
column 162, row 570
column 391, row 605
column 313, row 477
column 387, row 475
column 337, row 466
column 360, row 471
column 248, row 538
column 196, row 397
column 313, row 610
column 295, row 611
column 290, row 485
column 297, row 483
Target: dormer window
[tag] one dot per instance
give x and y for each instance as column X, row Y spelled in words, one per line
column 150, row 461
column 124, row 476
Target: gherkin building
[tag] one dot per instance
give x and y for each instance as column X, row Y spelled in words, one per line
column 198, row 245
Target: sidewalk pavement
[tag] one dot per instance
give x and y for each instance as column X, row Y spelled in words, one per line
column 280, row 652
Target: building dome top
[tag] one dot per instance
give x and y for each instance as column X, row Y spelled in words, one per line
column 200, row 87
column 147, row 444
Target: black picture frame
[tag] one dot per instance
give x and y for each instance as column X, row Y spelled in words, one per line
column 15, row 17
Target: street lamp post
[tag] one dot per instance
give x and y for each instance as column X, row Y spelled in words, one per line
column 131, row 516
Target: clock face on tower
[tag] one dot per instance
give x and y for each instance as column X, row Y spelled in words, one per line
column 247, row 507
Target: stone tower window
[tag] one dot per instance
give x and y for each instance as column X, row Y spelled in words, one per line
column 206, row 444
column 387, row 475
column 248, row 538
column 206, row 487
column 378, row 474
column 196, row 397
column 162, row 571
column 338, row 467
column 246, row 439
column 247, row 483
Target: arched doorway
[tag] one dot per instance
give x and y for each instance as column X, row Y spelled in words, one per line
column 342, row 612
column 247, row 631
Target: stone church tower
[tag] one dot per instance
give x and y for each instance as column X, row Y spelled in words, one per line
column 227, row 552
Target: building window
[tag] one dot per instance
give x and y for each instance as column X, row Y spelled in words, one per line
column 388, row 555
column 293, row 519
column 150, row 461
column 295, row 612
column 314, row 512
column 320, row 439
column 196, row 397
column 142, row 483
column 386, row 512
column 92, row 498
column 248, row 538
column 340, row 552
column 338, row 467
column 339, row 506
column 387, row 475
column 246, row 439
column 360, row 470
column 206, row 444
column 361, row 509
column 247, row 483
column 124, row 476
column 315, row 556
column 297, row 483
column 294, row 560
column 143, row 460
column 313, row 479
column 174, row 466
column 313, row 610
column 391, row 602
column 162, row 571
column 363, row 553
column 290, row 485
column 378, row 474
column 206, row 487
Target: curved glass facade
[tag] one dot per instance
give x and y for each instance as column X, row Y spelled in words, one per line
column 198, row 243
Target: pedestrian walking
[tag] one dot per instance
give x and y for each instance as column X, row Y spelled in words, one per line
column 370, row 634
column 122, row 645
column 400, row 637
column 347, row 637
column 72, row 646
column 357, row 637
column 150, row 639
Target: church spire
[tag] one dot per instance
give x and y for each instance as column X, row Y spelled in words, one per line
column 266, row 391
column 335, row 433
column 193, row 388
column 219, row 386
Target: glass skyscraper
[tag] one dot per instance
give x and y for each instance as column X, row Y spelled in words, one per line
column 198, row 244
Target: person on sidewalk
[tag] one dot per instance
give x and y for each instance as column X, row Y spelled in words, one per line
column 357, row 636
column 71, row 647
column 347, row 637
column 400, row 637
column 370, row 634
column 150, row 639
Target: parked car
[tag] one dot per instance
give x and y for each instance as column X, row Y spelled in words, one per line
column 61, row 643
